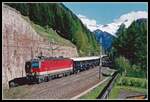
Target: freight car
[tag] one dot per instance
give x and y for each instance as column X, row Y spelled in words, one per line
column 45, row 69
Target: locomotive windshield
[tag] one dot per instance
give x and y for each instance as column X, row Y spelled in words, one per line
column 35, row 64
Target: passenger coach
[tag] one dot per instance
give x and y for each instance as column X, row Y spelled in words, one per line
column 84, row 63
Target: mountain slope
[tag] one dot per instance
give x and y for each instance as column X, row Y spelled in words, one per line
column 61, row 19
column 106, row 39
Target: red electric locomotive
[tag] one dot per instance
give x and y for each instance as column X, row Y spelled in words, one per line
column 44, row 69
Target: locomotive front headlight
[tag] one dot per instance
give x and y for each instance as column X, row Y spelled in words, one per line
column 32, row 73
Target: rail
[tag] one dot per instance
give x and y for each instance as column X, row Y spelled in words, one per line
column 105, row 92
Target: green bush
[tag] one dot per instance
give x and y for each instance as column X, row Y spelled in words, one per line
column 124, row 82
column 119, row 81
column 136, row 71
column 125, row 68
column 130, row 81
column 122, row 64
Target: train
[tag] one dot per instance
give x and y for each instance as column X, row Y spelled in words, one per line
column 43, row 69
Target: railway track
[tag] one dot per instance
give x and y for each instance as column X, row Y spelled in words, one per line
column 66, row 87
column 58, row 86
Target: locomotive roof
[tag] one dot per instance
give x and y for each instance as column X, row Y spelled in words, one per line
column 48, row 58
column 85, row 58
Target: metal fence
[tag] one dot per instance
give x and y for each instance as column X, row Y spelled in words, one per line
column 106, row 91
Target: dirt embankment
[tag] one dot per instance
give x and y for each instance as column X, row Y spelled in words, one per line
column 20, row 43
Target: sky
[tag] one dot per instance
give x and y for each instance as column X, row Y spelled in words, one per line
column 105, row 13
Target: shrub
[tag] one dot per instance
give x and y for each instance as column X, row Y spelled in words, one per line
column 125, row 68
column 119, row 82
column 135, row 71
column 132, row 82
column 122, row 64
column 135, row 82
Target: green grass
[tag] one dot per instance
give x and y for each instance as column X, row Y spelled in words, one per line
column 129, row 88
column 116, row 91
column 117, row 87
column 95, row 92
column 51, row 35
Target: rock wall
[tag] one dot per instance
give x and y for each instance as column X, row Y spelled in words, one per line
column 20, row 43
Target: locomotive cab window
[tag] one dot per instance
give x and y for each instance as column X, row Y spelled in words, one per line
column 35, row 64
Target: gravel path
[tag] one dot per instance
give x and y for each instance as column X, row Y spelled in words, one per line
column 125, row 93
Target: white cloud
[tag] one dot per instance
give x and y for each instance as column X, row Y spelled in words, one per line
column 111, row 28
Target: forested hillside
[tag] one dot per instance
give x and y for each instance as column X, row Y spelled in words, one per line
column 61, row 19
column 131, row 43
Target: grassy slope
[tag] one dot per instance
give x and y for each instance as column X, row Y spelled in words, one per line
column 49, row 34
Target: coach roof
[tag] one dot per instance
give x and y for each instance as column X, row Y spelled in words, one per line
column 85, row 58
